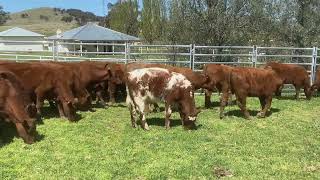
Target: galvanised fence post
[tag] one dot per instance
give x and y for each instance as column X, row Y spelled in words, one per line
column 314, row 64
column 126, row 53
column 54, row 50
column 191, row 60
column 129, row 52
column 254, row 56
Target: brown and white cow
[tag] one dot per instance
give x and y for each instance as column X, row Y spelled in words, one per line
column 149, row 85
column 292, row 74
column 197, row 79
column 16, row 107
column 252, row 82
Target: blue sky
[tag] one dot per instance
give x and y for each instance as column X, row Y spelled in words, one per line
column 95, row 6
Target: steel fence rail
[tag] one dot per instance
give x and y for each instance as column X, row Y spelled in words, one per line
column 191, row 55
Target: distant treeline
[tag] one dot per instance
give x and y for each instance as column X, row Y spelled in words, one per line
column 220, row 22
column 4, row 16
column 79, row 16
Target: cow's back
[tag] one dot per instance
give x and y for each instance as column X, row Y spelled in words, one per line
column 290, row 73
column 254, row 82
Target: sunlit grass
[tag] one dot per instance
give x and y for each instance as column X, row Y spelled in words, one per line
column 103, row 145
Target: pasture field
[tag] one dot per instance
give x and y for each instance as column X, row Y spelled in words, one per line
column 103, row 145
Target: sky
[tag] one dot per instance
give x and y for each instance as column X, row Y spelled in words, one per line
column 95, row 6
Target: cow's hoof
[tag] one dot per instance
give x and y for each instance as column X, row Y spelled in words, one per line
column 248, row 118
column 221, row 116
column 261, row 115
column 146, row 128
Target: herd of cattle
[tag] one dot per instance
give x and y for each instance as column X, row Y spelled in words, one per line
column 73, row 86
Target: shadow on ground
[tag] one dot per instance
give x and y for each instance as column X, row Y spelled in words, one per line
column 8, row 132
column 254, row 113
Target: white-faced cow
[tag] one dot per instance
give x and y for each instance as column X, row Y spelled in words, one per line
column 149, row 85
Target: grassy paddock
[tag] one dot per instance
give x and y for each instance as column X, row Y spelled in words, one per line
column 102, row 145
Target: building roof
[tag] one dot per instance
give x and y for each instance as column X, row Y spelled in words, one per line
column 16, row 31
column 93, row 32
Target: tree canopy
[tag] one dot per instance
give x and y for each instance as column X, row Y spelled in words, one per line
column 220, row 22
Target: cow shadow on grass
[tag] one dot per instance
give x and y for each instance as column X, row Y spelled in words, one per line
column 161, row 122
column 48, row 112
column 216, row 104
column 288, row 97
column 8, row 132
column 253, row 113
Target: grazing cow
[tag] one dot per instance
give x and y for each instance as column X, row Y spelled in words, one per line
column 90, row 75
column 149, row 85
column 16, row 107
column 46, row 81
column 115, row 82
column 316, row 84
column 197, row 79
column 292, row 74
column 218, row 78
column 253, row 82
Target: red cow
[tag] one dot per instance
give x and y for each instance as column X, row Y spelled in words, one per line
column 45, row 81
column 292, row 74
column 218, row 78
column 16, row 107
column 148, row 85
column 253, row 82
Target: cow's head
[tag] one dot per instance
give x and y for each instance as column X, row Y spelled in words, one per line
column 67, row 100
column 188, row 109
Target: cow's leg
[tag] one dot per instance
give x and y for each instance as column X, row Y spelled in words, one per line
column 100, row 99
column 142, row 107
column 207, row 98
column 40, row 99
column 60, row 109
column 267, row 106
column 263, row 104
column 168, row 115
column 278, row 91
column 144, row 123
column 230, row 98
column 297, row 92
column 242, row 104
column 133, row 116
column 308, row 92
column 112, row 91
column 223, row 103
column 23, row 133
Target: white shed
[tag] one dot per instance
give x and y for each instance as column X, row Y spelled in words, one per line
column 25, row 36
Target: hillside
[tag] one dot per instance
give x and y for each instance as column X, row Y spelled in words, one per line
column 43, row 20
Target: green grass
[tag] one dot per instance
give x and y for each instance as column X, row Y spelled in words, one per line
column 103, row 145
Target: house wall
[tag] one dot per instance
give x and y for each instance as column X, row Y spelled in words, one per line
column 23, row 46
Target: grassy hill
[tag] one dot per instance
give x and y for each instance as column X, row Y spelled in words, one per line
column 41, row 20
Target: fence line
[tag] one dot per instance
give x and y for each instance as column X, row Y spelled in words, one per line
column 192, row 55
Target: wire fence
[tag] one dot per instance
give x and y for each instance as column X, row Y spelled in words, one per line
column 192, row 56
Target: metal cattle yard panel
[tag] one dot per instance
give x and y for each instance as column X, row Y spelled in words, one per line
column 192, row 56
